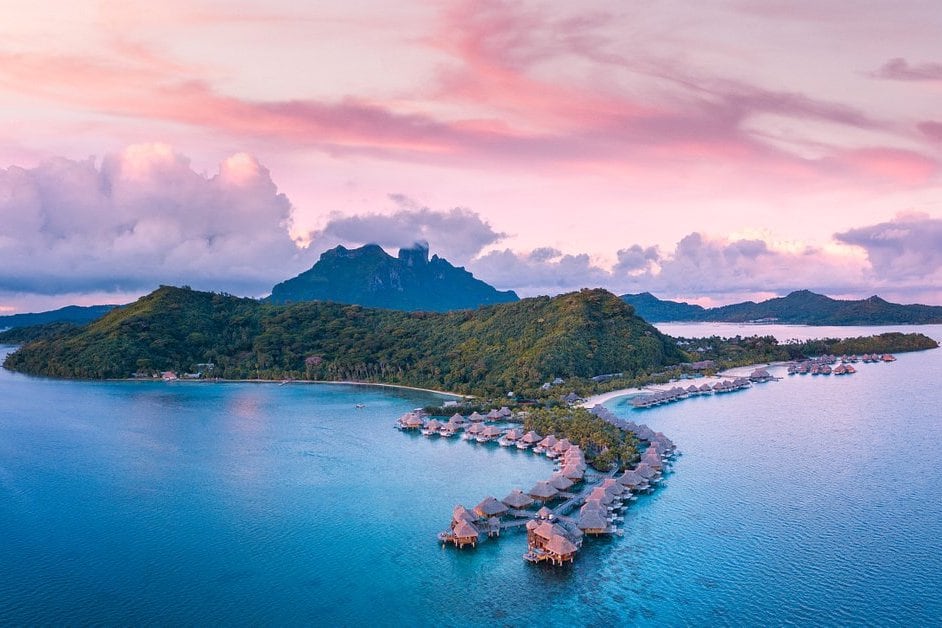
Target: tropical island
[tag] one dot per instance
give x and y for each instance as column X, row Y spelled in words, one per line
column 801, row 307
column 591, row 340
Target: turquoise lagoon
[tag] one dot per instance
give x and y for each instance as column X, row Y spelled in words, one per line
column 811, row 501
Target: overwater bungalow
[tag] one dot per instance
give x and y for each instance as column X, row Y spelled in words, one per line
column 546, row 444
column 545, row 513
column 447, row 430
column 600, row 494
column 573, row 472
column 886, row 357
column 473, row 431
column 539, row 532
column 543, row 491
column 464, row 533
column 460, row 513
column 705, row 389
column 561, row 446
column 490, row 507
column 529, row 439
column 760, row 375
column 560, row 482
column 654, row 461
column 432, row 428
column 488, row 434
column 611, row 486
column 517, row 499
column 631, row 480
column 510, row 437
column 645, row 471
column 476, row 418
column 592, row 522
column 560, row 549
column 505, row 412
column 458, row 420
column 494, row 415
column 411, row 421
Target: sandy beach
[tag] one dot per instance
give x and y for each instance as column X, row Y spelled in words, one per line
column 739, row 371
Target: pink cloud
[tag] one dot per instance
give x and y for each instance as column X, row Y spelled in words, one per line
column 889, row 164
column 899, row 69
column 931, row 129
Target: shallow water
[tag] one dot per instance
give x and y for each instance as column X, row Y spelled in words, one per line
column 812, row 500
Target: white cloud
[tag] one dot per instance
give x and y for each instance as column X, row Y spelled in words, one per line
column 141, row 218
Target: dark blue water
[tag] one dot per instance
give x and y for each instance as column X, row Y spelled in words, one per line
column 807, row 501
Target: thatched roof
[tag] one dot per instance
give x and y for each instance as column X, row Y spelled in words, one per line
column 559, row 545
column 434, row 425
column 413, row 420
column 517, row 499
column 456, row 418
column 475, row 428
column 475, row 417
column 489, row 507
column 465, row 530
column 549, row 441
column 512, row 434
column 505, row 411
column 602, row 495
column 560, row 481
column 592, row 520
column 490, row 431
column 531, row 437
column 644, row 470
column 630, row 479
column 546, row 529
column 542, row 490
column 460, row 513
column 544, row 513
column 562, row 445
column 493, row 415
column 612, row 486
column 573, row 472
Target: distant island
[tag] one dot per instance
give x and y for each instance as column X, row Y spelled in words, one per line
column 370, row 277
column 802, row 307
column 70, row 314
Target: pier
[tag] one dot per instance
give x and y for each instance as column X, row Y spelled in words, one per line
column 547, row 511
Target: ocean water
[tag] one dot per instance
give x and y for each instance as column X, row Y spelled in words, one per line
column 811, row 501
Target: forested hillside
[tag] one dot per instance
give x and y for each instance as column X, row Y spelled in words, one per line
column 492, row 350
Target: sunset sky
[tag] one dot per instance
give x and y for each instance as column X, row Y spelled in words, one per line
column 706, row 151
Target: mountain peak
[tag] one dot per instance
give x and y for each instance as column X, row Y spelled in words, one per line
column 370, row 277
column 416, row 255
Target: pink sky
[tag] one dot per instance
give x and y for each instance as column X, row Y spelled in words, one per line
column 704, row 151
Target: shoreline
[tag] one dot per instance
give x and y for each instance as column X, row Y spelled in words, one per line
column 736, row 371
column 293, row 381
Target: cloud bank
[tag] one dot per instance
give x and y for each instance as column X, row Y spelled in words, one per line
column 458, row 233
column 141, row 218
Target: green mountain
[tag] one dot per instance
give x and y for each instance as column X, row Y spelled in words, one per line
column 650, row 308
column 798, row 308
column 491, row 350
column 370, row 277
column 70, row 314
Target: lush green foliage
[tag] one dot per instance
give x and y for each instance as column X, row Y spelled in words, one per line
column 19, row 335
column 368, row 276
column 800, row 307
column 489, row 351
column 604, row 444
column 739, row 351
